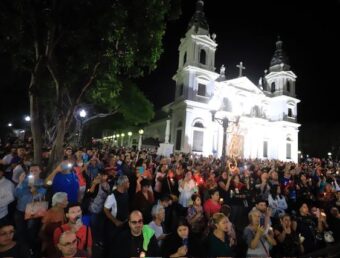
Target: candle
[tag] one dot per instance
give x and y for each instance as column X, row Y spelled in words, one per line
column 142, row 255
column 221, row 200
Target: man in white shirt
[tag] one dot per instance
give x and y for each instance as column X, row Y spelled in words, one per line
column 116, row 210
column 6, row 194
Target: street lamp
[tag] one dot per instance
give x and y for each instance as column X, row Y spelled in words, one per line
column 140, row 132
column 329, row 155
column 9, row 124
column 122, row 142
column 129, row 139
column 27, row 118
column 82, row 115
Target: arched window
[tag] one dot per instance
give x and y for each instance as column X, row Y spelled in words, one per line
column 273, row 86
column 288, row 148
column 255, row 111
column 199, row 125
column 288, row 86
column 226, row 105
column 198, row 136
column 203, row 56
column 185, row 58
column 179, row 136
column 290, row 112
column 181, row 90
column 201, row 91
column 265, row 149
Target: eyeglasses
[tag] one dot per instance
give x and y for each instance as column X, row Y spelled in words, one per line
column 135, row 222
column 69, row 243
column 7, row 233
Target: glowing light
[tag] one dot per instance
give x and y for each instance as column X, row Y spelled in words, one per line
column 82, row 113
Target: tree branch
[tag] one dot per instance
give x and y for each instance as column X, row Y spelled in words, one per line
column 100, row 115
column 69, row 115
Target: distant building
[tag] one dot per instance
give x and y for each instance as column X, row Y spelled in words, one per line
column 264, row 115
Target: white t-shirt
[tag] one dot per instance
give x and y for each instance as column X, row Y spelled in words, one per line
column 111, row 204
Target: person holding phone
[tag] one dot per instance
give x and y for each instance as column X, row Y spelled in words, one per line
column 182, row 243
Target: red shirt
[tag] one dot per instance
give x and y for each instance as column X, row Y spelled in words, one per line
column 81, row 235
column 211, row 207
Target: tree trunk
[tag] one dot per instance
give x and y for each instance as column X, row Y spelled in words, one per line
column 58, row 146
column 35, row 127
column 34, row 99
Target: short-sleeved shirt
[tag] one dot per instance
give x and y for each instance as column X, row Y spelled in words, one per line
column 118, row 203
column 262, row 248
column 81, row 235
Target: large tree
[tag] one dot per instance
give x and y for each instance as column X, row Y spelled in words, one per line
column 73, row 48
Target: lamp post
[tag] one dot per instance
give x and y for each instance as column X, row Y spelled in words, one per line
column 225, row 123
column 129, row 139
column 329, row 155
column 122, row 142
column 9, row 124
column 140, row 132
column 82, row 115
column 117, row 137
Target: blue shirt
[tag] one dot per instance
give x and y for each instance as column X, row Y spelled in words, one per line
column 24, row 195
column 67, row 183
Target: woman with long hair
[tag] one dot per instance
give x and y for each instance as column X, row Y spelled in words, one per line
column 195, row 215
column 218, row 240
column 181, row 243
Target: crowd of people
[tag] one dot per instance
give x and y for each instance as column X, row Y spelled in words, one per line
column 119, row 202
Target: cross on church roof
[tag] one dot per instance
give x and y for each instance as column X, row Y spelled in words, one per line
column 241, row 67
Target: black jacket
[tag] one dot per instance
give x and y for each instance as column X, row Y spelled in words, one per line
column 125, row 246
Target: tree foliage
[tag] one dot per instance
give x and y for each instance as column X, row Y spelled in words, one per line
column 83, row 47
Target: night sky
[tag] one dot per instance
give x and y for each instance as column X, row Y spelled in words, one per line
column 246, row 31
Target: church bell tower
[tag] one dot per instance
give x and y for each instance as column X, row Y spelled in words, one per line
column 196, row 50
column 280, row 80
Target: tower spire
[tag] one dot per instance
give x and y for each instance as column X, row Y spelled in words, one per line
column 198, row 20
column 279, row 56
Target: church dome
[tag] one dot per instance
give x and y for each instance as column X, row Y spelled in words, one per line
column 279, row 56
column 198, row 19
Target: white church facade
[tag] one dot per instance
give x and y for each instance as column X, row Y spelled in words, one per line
column 262, row 118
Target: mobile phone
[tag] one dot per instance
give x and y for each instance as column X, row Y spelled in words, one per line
column 261, row 221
